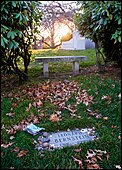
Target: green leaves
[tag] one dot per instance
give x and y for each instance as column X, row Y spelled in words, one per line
column 117, row 36
column 119, row 21
column 6, row 28
column 17, row 15
column 3, row 41
column 13, row 3
column 101, row 21
column 13, row 44
column 11, row 34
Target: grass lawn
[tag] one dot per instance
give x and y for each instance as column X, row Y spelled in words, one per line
column 95, row 102
column 37, row 68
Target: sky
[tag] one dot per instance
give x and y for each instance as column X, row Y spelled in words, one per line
column 59, row 1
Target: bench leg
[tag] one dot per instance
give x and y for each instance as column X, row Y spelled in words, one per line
column 45, row 69
column 75, row 67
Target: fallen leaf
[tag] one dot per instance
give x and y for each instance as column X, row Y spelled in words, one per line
column 3, row 127
column 16, row 149
column 94, row 159
column 105, row 118
column 98, row 116
column 90, row 154
column 14, row 104
column 18, row 127
column 10, row 114
column 86, row 103
column 99, row 157
column 78, row 150
column 54, row 118
column 41, row 115
column 12, row 137
column 45, row 87
column 7, row 145
column 28, row 108
column 93, row 166
column 71, row 110
column 12, row 131
column 100, row 151
column 39, row 103
column 107, row 156
column 91, row 160
column 34, row 104
column 89, row 110
column 79, row 162
column 30, row 94
column 35, row 121
column 22, row 153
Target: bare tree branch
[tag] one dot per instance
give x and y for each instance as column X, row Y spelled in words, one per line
column 55, row 14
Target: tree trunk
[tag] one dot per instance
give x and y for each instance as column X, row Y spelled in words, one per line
column 101, row 68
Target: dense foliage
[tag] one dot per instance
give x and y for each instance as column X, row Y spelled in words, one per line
column 19, row 21
column 101, row 21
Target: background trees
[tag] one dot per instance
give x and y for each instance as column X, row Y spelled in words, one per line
column 101, row 21
column 19, row 21
column 56, row 15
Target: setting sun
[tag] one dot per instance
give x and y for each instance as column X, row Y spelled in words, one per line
column 63, row 30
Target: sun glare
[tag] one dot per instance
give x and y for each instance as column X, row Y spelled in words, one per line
column 63, row 30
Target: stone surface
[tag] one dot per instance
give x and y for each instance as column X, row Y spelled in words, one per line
column 60, row 59
column 65, row 138
column 74, row 59
column 75, row 67
column 69, row 138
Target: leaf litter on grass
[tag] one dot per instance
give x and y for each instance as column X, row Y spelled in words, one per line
column 92, row 156
column 58, row 93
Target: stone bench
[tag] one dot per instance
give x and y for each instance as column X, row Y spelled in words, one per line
column 74, row 59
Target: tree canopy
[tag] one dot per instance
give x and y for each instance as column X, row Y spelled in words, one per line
column 19, row 21
column 101, row 22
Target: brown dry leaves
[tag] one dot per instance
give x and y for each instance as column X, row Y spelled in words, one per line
column 92, row 157
column 58, row 93
column 22, row 153
column 54, row 118
column 10, row 114
column 7, row 144
column 96, row 114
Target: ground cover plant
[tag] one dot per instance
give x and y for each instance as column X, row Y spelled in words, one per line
column 85, row 100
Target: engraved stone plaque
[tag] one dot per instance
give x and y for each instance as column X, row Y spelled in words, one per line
column 65, row 138
column 69, row 138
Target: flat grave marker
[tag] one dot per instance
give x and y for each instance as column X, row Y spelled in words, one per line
column 65, row 138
